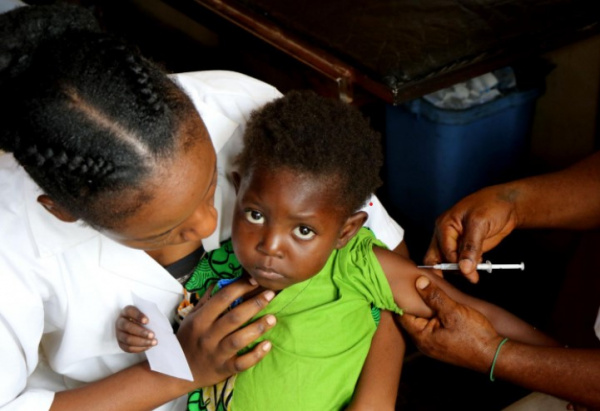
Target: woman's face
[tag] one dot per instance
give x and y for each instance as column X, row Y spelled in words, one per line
column 181, row 205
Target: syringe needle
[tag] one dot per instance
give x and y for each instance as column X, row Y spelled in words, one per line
column 487, row 266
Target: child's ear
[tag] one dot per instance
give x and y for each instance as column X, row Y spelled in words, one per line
column 55, row 209
column 351, row 227
column 235, row 176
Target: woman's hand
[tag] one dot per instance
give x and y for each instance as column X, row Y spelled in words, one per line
column 474, row 225
column 456, row 333
column 211, row 336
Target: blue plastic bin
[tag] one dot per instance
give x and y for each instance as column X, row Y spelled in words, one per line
column 435, row 157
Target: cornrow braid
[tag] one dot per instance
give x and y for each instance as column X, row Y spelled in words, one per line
column 136, row 69
column 90, row 170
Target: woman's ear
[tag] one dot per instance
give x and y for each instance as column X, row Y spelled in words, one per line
column 55, row 209
column 351, row 227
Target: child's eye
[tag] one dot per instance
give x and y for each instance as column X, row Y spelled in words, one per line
column 304, row 233
column 255, row 217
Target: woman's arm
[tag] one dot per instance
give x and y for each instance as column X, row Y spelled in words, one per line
column 135, row 388
column 462, row 336
column 572, row 374
column 567, row 199
column 377, row 387
column 211, row 343
column 402, row 273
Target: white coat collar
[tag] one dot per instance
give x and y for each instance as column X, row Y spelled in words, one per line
column 135, row 265
column 52, row 237
column 220, row 128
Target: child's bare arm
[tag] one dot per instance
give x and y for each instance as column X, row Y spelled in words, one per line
column 132, row 335
column 402, row 274
column 377, row 387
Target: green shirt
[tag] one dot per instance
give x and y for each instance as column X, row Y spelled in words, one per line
column 323, row 334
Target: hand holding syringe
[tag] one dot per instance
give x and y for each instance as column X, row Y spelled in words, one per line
column 487, row 266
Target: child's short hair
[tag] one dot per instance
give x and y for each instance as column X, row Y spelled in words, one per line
column 311, row 134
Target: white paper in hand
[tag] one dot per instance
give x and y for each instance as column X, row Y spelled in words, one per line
column 167, row 356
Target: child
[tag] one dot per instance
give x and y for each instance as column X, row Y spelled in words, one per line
column 308, row 164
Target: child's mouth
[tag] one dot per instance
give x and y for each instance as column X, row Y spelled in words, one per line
column 266, row 273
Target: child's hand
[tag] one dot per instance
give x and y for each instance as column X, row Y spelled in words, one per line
column 132, row 336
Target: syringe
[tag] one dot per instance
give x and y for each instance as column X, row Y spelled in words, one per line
column 487, row 266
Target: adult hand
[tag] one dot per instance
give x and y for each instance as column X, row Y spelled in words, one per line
column 211, row 336
column 456, row 333
column 474, row 225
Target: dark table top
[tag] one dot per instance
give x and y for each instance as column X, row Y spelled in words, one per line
column 401, row 49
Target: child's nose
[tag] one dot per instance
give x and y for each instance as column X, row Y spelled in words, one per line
column 270, row 244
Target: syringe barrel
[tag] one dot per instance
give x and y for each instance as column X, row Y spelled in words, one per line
column 446, row 266
column 509, row 266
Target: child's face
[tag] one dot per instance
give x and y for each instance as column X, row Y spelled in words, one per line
column 285, row 226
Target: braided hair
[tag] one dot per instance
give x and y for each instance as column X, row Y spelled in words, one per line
column 325, row 138
column 84, row 113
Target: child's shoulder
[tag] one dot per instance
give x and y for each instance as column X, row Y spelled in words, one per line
column 401, row 273
column 365, row 236
column 391, row 260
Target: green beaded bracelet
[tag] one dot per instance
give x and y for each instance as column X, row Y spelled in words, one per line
column 495, row 358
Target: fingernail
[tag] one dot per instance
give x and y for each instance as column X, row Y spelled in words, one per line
column 465, row 265
column 266, row 346
column 422, row 283
column 252, row 281
column 271, row 320
column 150, row 336
column 269, row 295
column 154, row 342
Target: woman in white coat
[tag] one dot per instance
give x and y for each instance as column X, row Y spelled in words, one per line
column 113, row 186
